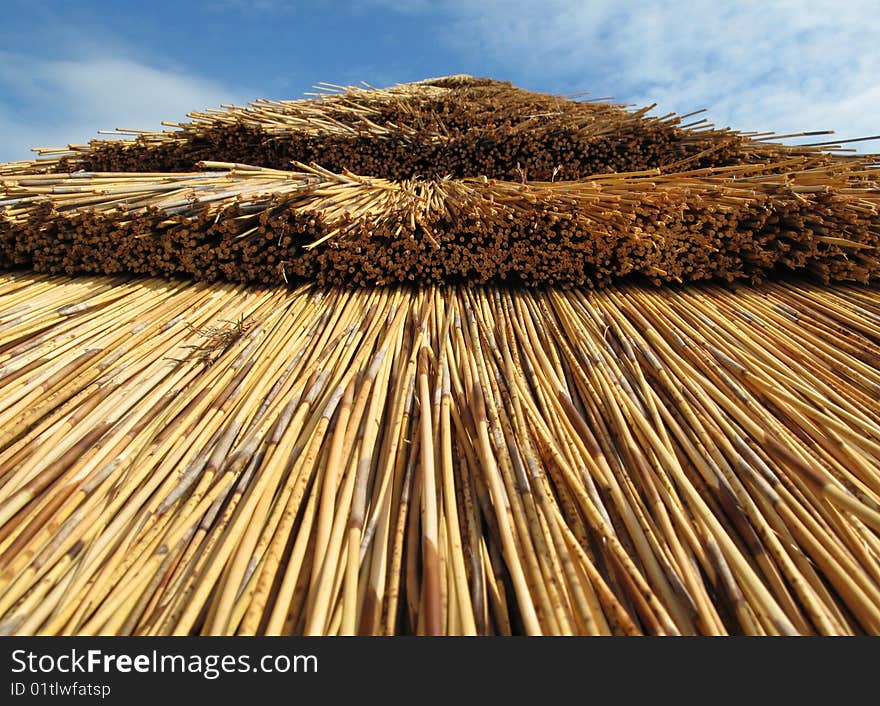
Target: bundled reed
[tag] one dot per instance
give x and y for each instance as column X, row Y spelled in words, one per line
column 254, row 224
column 284, row 453
column 456, row 126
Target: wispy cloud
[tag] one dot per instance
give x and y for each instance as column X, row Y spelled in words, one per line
column 782, row 65
column 50, row 103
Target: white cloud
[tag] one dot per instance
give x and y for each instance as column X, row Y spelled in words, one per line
column 49, row 103
column 783, row 65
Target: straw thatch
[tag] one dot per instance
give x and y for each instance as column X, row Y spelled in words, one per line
column 255, row 224
column 449, row 180
column 274, row 455
column 457, row 126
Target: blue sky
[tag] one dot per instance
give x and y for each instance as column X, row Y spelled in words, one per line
column 68, row 69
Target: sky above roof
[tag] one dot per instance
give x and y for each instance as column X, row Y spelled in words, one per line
column 68, row 69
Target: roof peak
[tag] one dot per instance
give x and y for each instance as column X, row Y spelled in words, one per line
column 460, row 81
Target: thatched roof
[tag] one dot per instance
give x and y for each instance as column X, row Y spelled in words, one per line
column 282, row 452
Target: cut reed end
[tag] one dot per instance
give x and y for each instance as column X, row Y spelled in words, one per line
column 266, row 226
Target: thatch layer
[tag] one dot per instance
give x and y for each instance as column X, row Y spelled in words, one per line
column 192, row 458
column 460, row 128
column 252, row 224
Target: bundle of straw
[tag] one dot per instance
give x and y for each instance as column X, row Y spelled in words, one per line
column 453, row 126
column 254, row 224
